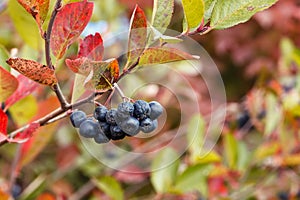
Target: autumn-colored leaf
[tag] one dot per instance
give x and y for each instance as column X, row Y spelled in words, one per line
column 33, row 70
column 103, row 75
column 4, row 196
column 68, row 25
column 26, row 87
column 37, row 8
column 45, row 196
column 159, row 55
column 25, row 135
column 78, row 65
column 8, row 84
column 137, row 35
column 92, row 47
column 3, row 122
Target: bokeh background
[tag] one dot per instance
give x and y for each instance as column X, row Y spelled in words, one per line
column 255, row 156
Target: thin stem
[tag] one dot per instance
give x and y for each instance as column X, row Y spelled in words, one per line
column 47, row 35
column 119, row 91
column 63, row 102
column 14, row 166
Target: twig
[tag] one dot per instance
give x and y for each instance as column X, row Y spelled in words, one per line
column 59, row 111
column 14, row 166
column 47, row 34
column 83, row 191
column 63, row 102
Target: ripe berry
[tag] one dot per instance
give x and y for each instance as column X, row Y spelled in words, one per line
column 125, row 109
column 105, row 128
column 101, row 138
column 116, row 133
column 100, row 113
column 156, row 110
column 130, row 126
column 77, row 117
column 110, row 116
column 89, row 128
column 147, row 125
column 141, row 109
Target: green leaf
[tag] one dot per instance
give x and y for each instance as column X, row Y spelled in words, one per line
column 193, row 11
column 78, row 87
column 231, row 150
column 22, row 116
column 209, row 6
column 162, row 14
column 156, row 35
column 267, row 149
column 193, row 178
column 25, row 25
column 243, row 156
column 164, row 170
column 159, row 55
column 196, row 135
column 3, row 57
column 110, row 186
column 231, row 12
column 273, row 115
column 8, row 84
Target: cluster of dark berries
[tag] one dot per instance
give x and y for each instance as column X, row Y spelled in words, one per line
column 127, row 120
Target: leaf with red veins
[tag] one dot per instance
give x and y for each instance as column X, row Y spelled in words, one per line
column 3, row 122
column 159, row 55
column 103, row 75
column 8, row 84
column 69, row 23
column 25, row 135
column 78, row 65
column 37, row 8
column 92, row 47
column 138, row 34
column 33, row 70
column 26, row 87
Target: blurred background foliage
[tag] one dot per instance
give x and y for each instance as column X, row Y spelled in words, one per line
column 257, row 155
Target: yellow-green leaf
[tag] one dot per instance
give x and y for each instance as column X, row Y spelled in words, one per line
column 8, row 84
column 231, row 12
column 3, row 57
column 193, row 11
column 25, row 25
column 164, row 170
column 159, row 55
column 110, row 186
column 162, row 14
column 24, row 110
column 231, row 150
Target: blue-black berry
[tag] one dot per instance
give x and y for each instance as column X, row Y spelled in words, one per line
column 116, row 133
column 77, row 117
column 105, row 128
column 141, row 109
column 110, row 116
column 101, row 138
column 125, row 110
column 147, row 125
column 89, row 128
column 156, row 110
column 100, row 113
column 130, row 126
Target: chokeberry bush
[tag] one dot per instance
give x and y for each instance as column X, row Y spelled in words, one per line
column 99, row 99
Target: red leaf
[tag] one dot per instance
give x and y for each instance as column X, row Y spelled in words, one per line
column 37, row 8
column 137, row 35
column 26, row 87
column 158, row 55
column 33, row 70
column 8, row 84
column 79, row 65
column 3, row 122
column 104, row 74
column 25, row 135
column 68, row 25
column 92, row 47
